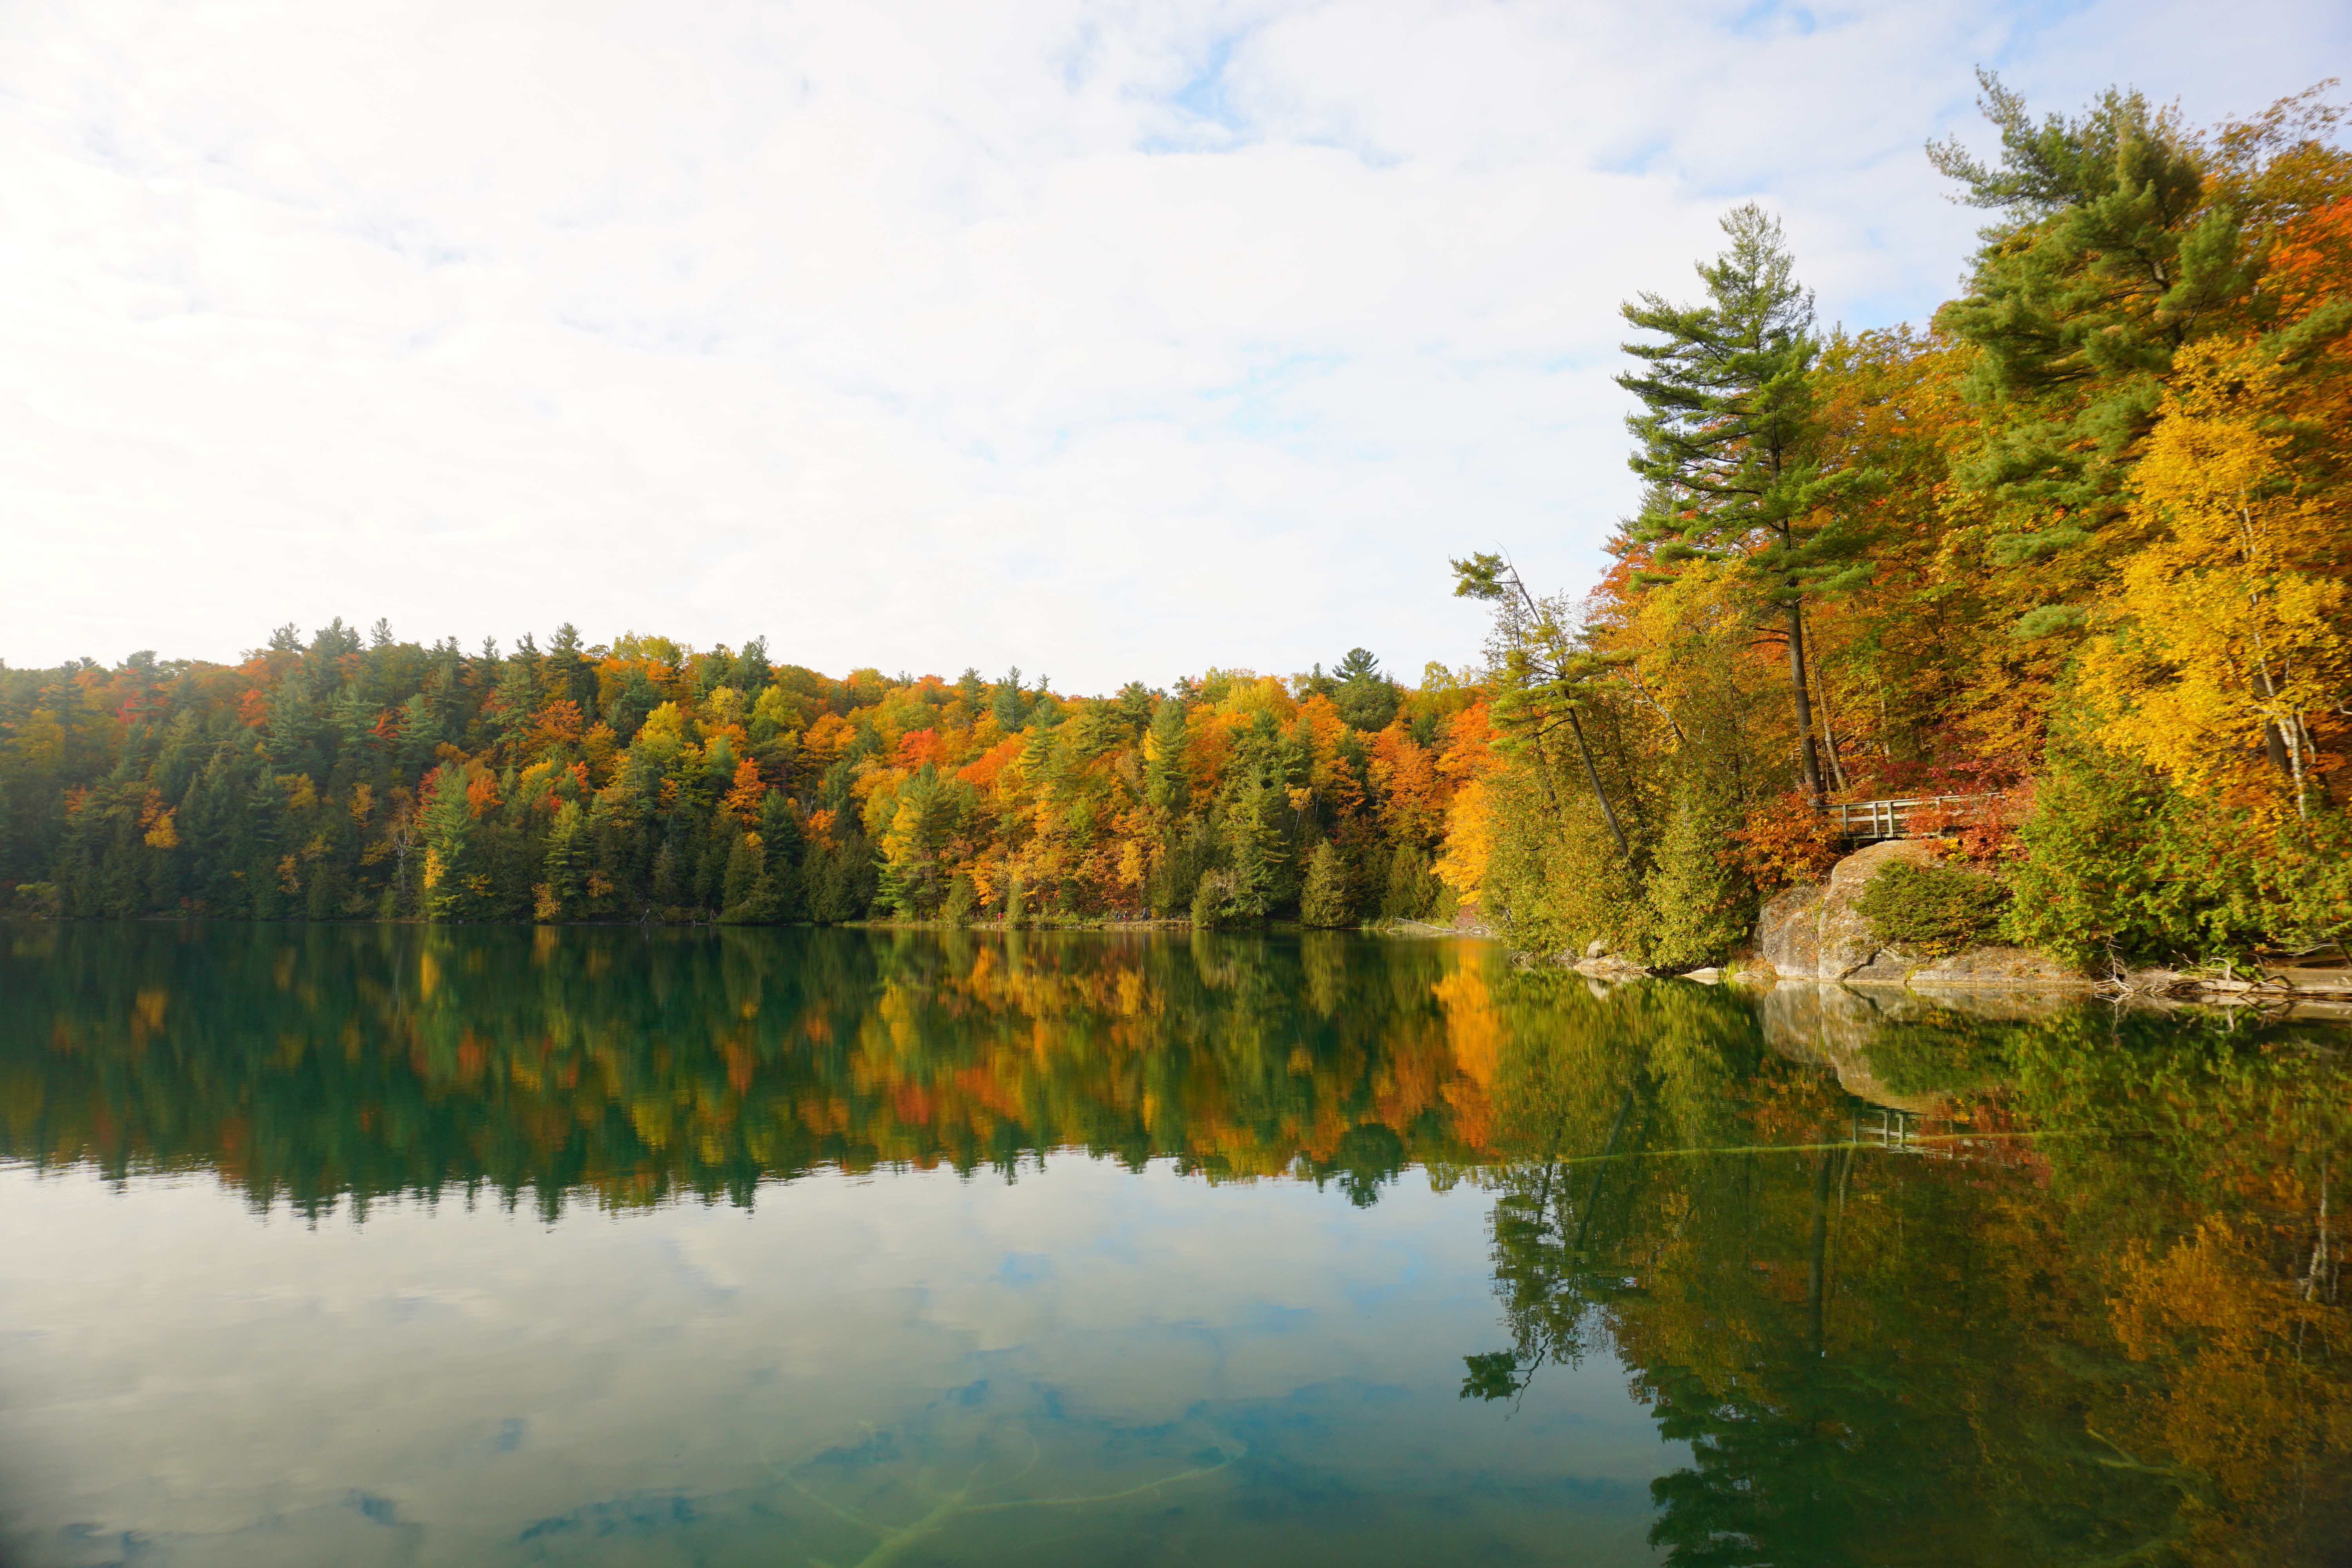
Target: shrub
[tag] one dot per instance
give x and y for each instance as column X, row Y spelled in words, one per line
column 1784, row 841
column 2121, row 868
column 1221, row 899
column 1932, row 909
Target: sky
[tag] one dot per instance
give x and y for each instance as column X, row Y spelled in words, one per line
column 1110, row 341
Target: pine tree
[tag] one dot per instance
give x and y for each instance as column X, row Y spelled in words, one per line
column 2109, row 264
column 1728, row 444
column 1324, row 901
column 448, row 828
column 1700, row 907
column 741, row 881
column 561, row 867
column 1166, row 786
column 1010, row 705
column 1366, row 699
column 781, row 847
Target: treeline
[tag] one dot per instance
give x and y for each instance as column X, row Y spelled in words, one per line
column 2080, row 549
column 342, row 776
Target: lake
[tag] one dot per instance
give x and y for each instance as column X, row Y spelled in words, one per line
column 407, row 1245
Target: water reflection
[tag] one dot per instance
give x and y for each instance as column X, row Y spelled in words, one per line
column 1994, row 1282
column 2063, row 1289
column 313, row 1063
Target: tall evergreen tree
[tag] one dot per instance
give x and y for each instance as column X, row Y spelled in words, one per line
column 1728, row 443
column 1366, row 698
column 1011, row 706
column 1165, row 783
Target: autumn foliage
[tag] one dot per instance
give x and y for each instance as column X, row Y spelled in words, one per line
column 339, row 778
column 2077, row 573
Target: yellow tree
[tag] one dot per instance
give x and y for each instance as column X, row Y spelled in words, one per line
column 2230, row 627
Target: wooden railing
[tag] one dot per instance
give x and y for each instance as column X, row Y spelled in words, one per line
column 1893, row 819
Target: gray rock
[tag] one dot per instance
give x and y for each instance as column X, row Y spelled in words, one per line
column 1994, row 966
column 1788, row 932
column 1820, row 933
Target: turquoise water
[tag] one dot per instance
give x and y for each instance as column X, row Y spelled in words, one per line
column 380, row 1244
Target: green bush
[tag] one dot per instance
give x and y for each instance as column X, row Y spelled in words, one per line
column 2120, row 866
column 1555, row 880
column 1935, row 911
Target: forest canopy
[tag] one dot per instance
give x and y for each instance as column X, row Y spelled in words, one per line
column 342, row 776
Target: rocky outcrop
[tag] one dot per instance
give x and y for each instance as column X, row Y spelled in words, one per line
column 1820, row 933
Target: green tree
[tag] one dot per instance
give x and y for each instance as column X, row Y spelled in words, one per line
column 1165, row 785
column 2109, row 262
column 1325, row 901
column 1728, row 443
column 1366, row 699
column 1010, row 704
column 563, row 866
column 448, row 828
column 740, row 885
column 1700, row 907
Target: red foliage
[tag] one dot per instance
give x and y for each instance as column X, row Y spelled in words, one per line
column 917, row 747
column 1783, row 842
column 481, row 792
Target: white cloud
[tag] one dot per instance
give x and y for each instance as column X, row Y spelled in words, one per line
column 1113, row 340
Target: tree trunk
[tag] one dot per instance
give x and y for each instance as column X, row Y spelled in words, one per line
column 1796, row 685
column 1601, row 795
column 1829, row 730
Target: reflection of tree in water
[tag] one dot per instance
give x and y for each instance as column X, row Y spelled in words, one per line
column 898, row 1489
column 2119, row 1340
column 322, row 1062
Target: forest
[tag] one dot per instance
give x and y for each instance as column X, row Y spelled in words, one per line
column 2071, row 559
column 344, row 777
column 2071, row 556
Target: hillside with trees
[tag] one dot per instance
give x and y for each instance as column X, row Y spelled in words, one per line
column 2076, row 552
column 343, row 777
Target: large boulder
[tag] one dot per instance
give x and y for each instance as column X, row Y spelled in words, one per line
column 1788, row 932
column 1820, row 933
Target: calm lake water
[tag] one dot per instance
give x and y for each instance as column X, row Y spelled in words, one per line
column 380, row 1244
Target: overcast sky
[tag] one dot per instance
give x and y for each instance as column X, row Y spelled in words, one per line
column 1111, row 339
